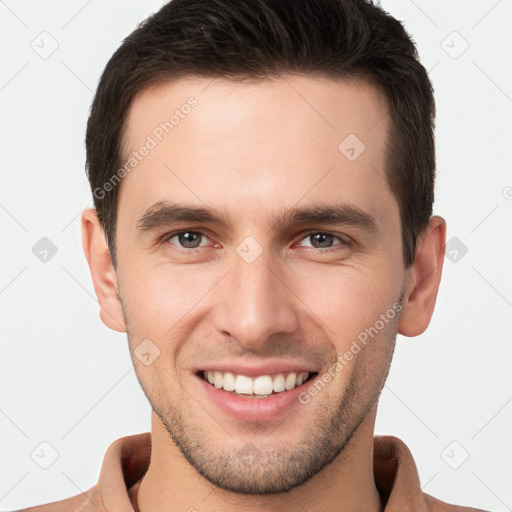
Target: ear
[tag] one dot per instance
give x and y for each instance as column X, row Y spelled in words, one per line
column 423, row 278
column 103, row 273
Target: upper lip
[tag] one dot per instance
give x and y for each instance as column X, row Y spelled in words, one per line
column 257, row 369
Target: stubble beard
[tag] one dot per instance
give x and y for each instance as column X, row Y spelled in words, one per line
column 274, row 468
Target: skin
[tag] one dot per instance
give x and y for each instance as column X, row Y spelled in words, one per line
column 252, row 151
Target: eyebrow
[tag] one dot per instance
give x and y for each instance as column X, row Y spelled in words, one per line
column 163, row 213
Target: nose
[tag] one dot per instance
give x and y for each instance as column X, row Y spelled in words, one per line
column 256, row 302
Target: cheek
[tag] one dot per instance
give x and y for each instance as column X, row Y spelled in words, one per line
column 161, row 297
column 347, row 299
column 165, row 300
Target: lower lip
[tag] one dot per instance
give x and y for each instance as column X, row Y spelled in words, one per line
column 254, row 409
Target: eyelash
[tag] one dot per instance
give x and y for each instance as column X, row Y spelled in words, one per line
column 345, row 240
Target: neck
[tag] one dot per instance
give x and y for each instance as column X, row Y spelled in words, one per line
column 347, row 483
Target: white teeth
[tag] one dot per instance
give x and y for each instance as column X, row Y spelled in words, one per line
column 260, row 387
column 301, row 378
column 279, row 383
column 244, row 384
column 263, row 385
column 291, row 381
column 217, row 379
column 229, row 381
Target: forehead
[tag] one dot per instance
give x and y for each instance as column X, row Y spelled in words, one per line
column 251, row 145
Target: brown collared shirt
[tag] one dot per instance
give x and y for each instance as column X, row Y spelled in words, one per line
column 127, row 459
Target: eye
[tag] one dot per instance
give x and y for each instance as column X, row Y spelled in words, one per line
column 322, row 240
column 186, row 239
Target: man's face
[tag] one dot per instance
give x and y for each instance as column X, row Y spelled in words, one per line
column 262, row 293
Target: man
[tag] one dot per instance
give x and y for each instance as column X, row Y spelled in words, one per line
column 263, row 175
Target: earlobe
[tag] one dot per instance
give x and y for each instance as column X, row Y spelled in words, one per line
column 103, row 274
column 423, row 279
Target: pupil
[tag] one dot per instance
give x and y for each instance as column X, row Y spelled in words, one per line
column 323, row 239
column 187, row 239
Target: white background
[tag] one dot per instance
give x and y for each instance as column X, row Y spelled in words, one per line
column 68, row 380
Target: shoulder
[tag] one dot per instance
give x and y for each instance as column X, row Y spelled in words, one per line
column 435, row 505
column 125, row 461
column 76, row 504
column 397, row 477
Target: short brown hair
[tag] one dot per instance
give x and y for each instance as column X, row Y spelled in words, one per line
column 241, row 39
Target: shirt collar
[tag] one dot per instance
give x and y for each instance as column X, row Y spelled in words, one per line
column 395, row 472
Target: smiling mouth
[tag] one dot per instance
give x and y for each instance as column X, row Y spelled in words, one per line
column 259, row 387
